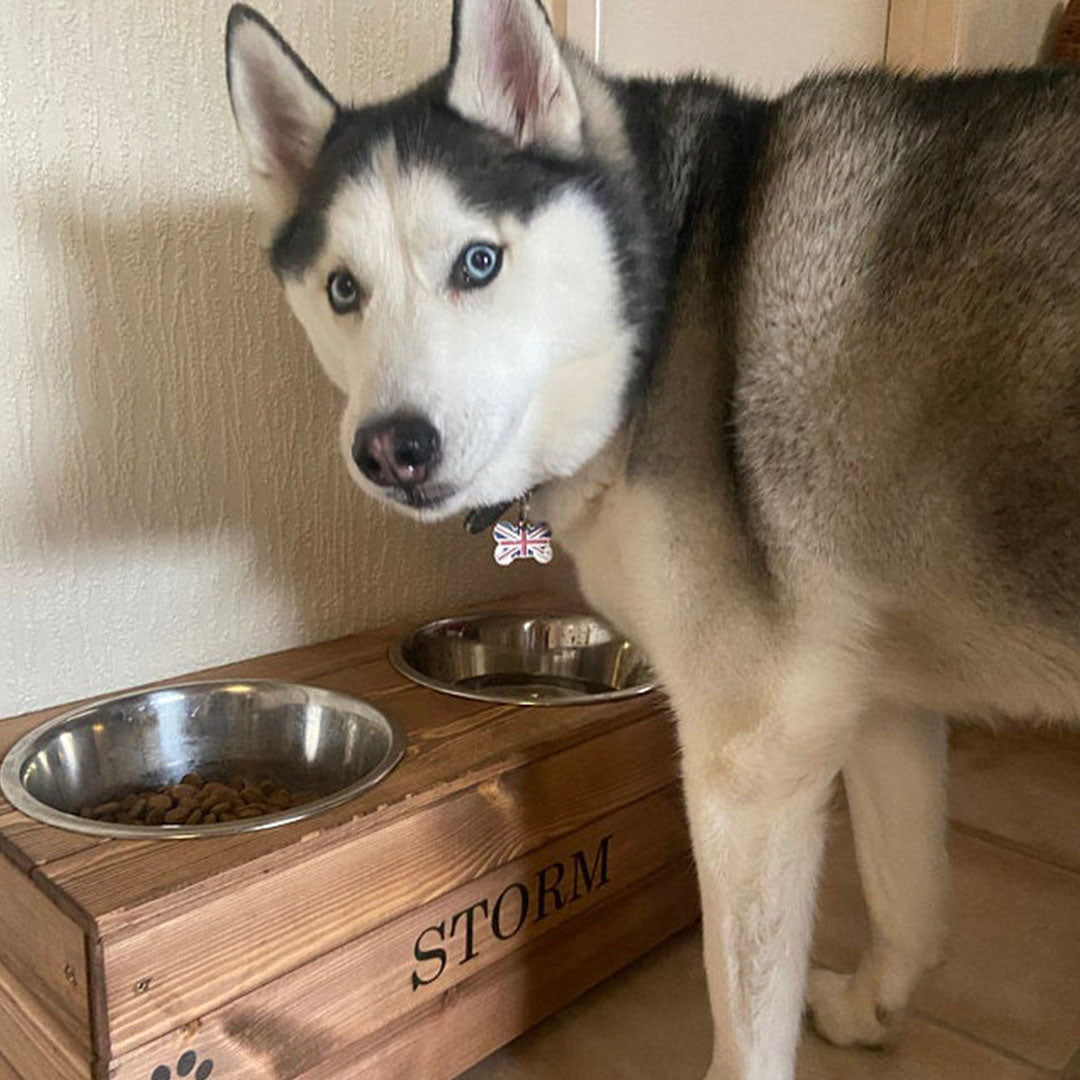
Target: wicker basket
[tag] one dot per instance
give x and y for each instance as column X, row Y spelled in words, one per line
column 1067, row 46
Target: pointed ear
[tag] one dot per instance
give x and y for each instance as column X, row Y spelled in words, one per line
column 283, row 113
column 507, row 73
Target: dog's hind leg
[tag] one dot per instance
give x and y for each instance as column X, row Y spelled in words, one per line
column 895, row 782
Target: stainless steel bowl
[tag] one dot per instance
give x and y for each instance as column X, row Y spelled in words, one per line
column 302, row 737
column 524, row 659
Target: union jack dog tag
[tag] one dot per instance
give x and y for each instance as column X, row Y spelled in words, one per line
column 522, row 541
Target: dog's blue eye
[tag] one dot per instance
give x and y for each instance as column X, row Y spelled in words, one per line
column 343, row 291
column 477, row 265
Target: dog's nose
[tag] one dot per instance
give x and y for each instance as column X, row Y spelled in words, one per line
column 399, row 451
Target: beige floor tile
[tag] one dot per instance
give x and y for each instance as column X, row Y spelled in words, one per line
column 652, row 1023
column 841, row 929
column 1072, row 1070
column 1022, row 785
column 1012, row 977
column 926, row 1052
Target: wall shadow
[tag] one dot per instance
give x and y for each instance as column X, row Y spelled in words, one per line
column 185, row 444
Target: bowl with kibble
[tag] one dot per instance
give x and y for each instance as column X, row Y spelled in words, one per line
column 200, row 759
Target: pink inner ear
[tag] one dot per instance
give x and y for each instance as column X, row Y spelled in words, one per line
column 287, row 136
column 514, row 57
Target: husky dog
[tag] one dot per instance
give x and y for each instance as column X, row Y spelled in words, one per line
column 797, row 384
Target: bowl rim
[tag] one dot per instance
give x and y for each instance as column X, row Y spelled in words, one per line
column 14, row 761
column 403, row 667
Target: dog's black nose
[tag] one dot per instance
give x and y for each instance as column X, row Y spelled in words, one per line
column 399, row 451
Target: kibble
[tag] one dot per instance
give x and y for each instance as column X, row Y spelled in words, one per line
column 194, row 801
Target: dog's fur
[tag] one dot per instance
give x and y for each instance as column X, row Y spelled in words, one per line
column 797, row 383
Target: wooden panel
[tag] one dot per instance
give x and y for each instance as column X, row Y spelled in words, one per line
column 35, row 1046
column 118, row 876
column 45, row 951
column 923, row 35
column 290, row 1025
column 454, row 745
column 7, row 1071
column 447, row 1036
column 558, row 16
column 28, row 843
column 309, row 906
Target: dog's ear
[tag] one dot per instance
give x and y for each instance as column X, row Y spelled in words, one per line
column 283, row 113
column 508, row 73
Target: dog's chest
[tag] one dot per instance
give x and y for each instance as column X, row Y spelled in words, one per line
column 641, row 565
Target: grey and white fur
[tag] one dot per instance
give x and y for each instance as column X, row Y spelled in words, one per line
column 796, row 381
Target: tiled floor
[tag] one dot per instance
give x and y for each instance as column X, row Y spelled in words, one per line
column 1004, row 1006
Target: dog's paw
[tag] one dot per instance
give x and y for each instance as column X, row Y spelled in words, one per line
column 843, row 1011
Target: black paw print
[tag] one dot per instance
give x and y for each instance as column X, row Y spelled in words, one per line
column 184, row 1067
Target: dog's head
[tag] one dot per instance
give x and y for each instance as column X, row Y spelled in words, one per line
column 453, row 254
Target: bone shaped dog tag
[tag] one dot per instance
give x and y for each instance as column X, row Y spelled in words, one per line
column 522, row 541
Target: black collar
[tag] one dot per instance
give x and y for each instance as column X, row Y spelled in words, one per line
column 484, row 517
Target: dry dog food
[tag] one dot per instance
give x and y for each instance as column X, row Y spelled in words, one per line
column 194, row 801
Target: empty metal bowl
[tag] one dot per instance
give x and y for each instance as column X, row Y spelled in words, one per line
column 524, row 659
column 301, row 737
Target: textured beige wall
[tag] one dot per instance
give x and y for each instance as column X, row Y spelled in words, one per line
column 760, row 44
column 170, row 493
column 993, row 33
column 943, row 35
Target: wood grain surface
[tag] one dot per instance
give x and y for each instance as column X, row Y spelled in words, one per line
column 445, row 1037
column 454, row 743
column 292, row 1024
column 33, row 1043
column 274, row 923
column 45, row 952
column 28, row 843
column 277, row 951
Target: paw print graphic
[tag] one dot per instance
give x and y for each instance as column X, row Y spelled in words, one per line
column 188, row 1065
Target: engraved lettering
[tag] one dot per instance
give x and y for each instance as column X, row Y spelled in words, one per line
column 424, row 955
column 480, row 905
column 523, row 911
column 598, row 875
column 544, row 890
column 549, row 891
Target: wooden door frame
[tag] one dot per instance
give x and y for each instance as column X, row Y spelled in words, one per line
column 923, row 34
column 580, row 20
column 558, row 16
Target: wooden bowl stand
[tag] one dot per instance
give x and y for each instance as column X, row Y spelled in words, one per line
column 514, row 859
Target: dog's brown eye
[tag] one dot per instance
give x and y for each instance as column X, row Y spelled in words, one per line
column 343, row 291
column 479, row 264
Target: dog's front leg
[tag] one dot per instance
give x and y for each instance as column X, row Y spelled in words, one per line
column 756, row 807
